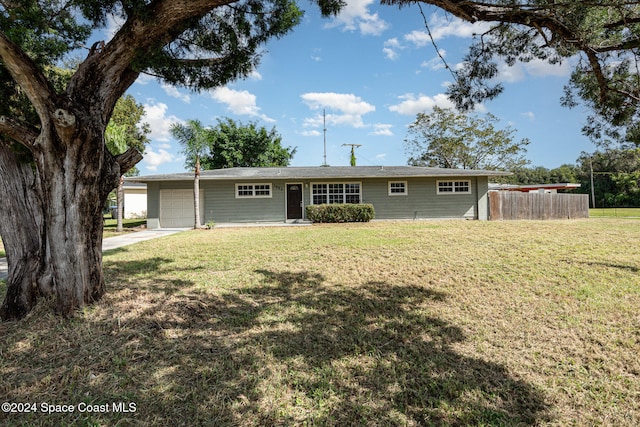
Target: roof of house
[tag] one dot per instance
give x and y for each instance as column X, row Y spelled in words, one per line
column 320, row 172
column 133, row 185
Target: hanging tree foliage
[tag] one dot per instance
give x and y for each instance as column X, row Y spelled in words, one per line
column 602, row 36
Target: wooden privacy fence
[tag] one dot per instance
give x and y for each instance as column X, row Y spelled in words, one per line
column 506, row 205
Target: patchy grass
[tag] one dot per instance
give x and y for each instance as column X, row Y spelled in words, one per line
column 407, row 323
column 128, row 225
column 614, row 213
column 2, row 252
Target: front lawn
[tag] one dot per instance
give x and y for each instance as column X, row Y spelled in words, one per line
column 407, row 323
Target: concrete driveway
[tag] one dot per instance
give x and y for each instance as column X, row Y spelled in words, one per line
column 115, row 242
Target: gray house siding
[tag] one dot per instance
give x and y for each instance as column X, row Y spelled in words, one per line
column 153, row 204
column 416, row 193
column 221, row 204
column 421, row 200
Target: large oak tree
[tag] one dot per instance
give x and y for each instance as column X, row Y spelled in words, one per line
column 55, row 170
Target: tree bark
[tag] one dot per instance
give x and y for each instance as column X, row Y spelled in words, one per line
column 77, row 174
column 21, row 231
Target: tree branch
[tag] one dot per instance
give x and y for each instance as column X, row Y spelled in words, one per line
column 17, row 131
column 27, row 75
column 533, row 17
column 105, row 75
column 128, row 159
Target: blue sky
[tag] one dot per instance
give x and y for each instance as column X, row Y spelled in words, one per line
column 372, row 69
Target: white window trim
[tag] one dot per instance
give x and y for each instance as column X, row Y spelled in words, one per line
column 311, row 184
column 406, row 188
column 453, row 193
column 253, row 188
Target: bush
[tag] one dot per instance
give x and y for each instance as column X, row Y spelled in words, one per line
column 340, row 213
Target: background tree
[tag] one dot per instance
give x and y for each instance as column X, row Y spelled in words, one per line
column 125, row 131
column 56, row 223
column 449, row 139
column 603, row 35
column 194, row 139
column 541, row 175
column 235, row 144
column 616, row 177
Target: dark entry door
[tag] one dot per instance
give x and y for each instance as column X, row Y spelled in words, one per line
column 294, row 201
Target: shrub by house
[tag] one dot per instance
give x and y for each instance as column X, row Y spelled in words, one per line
column 344, row 212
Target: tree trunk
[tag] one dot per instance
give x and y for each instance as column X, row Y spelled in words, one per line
column 196, row 195
column 21, row 231
column 77, row 175
column 120, row 204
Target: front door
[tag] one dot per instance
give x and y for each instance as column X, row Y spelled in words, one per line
column 294, row 201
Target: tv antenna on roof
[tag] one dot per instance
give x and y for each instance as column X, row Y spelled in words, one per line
column 353, row 153
column 324, row 129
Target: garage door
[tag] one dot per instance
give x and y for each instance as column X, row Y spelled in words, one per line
column 176, row 208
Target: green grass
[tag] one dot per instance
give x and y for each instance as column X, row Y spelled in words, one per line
column 128, row 225
column 614, row 213
column 380, row 324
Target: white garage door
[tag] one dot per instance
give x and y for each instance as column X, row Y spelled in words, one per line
column 176, row 208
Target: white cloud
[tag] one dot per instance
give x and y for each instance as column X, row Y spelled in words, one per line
column 533, row 68
column 351, row 108
column 435, row 63
column 144, row 79
column 529, row 115
column 114, row 23
column 240, row 102
column 391, row 48
column 418, row 38
column 153, row 159
column 316, row 55
column 310, row 133
column 159, row 121
column 255, row 75
column 355, row 15
column 381, row 156
column 380, row 129
column 540, row 68
column 345, row 102
column 443, row 26
column 412, row 104
column 175, row 93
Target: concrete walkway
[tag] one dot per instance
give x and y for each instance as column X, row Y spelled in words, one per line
column 115, row 242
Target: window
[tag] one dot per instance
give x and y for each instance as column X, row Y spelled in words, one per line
column 398, row 188
column 335, row 193
column 454, row 187
column 253, row 190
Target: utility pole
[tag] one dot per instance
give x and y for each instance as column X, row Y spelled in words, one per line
column 593, row 191
column 353, row 153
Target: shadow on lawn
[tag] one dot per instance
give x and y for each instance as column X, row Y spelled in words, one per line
column 290, row 350
column 399, row 365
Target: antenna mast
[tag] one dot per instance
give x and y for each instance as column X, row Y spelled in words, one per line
column 324, row 129
column 353, row 153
